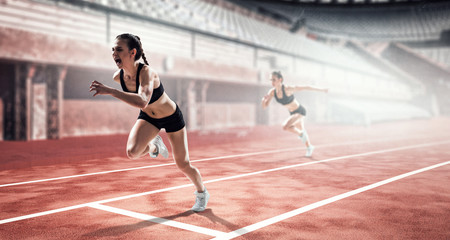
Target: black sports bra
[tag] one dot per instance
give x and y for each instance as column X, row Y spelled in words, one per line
column 285, row 99
column 157, row 92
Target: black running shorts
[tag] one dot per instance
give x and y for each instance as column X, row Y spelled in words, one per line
column 300, row 110
column 171, row 123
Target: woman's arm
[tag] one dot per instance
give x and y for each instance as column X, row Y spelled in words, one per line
column 312, row 88
column 139, row 100
column 267, row 98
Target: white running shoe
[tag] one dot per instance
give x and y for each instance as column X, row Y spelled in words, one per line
column 309, row 151
column 304, row 136
column 200, row 201
column 160, row 148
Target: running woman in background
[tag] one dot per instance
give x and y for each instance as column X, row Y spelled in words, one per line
column 143, row 89
column 284, row 95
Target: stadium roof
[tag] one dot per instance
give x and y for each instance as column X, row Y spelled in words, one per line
column 407, row 21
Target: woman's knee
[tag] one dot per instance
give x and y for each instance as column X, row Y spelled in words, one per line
column 286, row 127
column 184, row 166
column 133, row 152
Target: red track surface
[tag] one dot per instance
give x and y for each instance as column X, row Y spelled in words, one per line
column 242, row 172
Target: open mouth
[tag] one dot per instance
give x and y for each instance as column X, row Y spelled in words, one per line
column 118, row 61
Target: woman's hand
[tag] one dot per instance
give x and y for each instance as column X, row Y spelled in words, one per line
column 99, row 88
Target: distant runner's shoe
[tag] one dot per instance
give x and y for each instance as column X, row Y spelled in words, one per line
column 304, row 136
column 309, row 151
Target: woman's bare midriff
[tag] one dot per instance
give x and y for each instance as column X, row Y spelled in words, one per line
column 163, row 107
column 292, row 106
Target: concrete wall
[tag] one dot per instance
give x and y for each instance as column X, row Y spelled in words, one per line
column 226, row 115
column 87, row 117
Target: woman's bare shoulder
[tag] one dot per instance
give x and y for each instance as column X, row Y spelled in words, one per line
column 116, row 76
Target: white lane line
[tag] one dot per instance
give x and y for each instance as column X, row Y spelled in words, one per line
column 158, row 220
column 82, row 175
column 150, row 166
column 199, row 160
column 216, row 180
column 315, row 205
column 15, row 219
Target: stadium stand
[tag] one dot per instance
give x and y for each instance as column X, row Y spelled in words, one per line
column 199, row 47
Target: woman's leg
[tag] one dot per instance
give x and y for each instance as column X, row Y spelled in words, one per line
column 295, row 124
column 300, row 124
column 180, row 153
column 290, row 124
column 140, row 136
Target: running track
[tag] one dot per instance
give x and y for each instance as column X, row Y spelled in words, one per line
column 387, row 181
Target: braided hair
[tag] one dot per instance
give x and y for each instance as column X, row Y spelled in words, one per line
column 134, row 41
